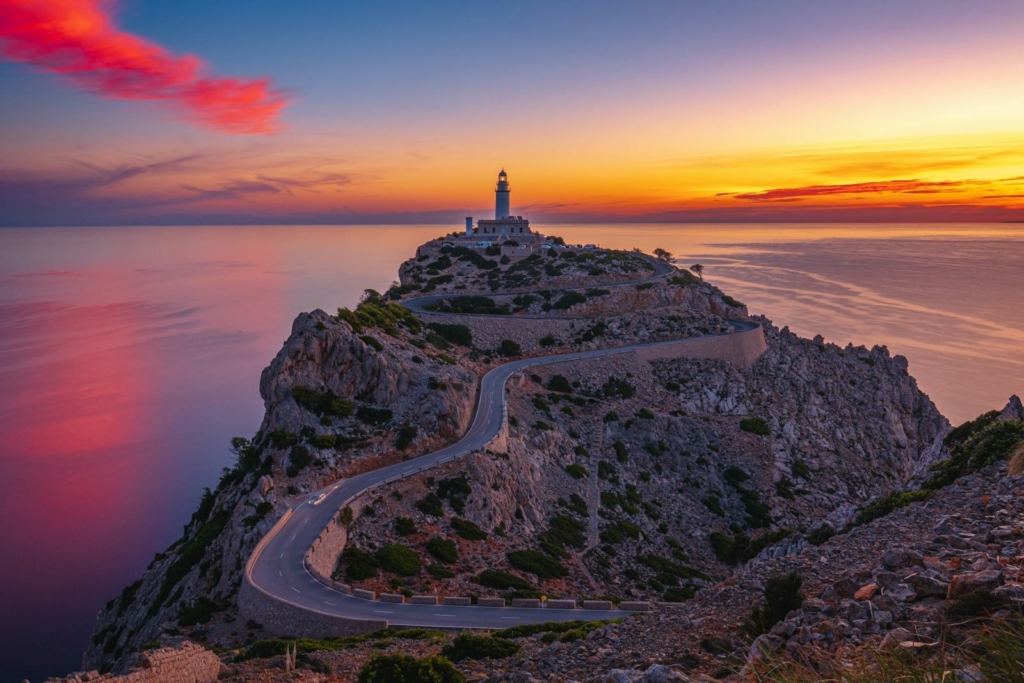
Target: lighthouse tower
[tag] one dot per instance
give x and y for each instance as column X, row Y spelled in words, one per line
column 504, row 223
column 501, row 197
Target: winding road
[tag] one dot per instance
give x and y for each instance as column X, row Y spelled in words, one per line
column 277, row 566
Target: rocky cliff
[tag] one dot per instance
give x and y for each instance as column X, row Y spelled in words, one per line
column 345, row 393
column 622, row 477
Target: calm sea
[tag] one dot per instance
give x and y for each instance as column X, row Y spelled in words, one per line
column 130, row 356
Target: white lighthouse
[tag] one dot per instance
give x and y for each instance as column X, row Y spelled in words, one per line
column 501, row 197
column 504, row 224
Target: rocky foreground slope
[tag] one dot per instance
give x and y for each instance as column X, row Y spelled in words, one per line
column 623, row 478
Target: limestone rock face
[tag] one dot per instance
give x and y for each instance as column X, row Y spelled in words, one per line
column 1013, row 410
column 327, row 355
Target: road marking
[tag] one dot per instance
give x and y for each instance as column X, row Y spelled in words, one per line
column 294, row 535
column 280, row 556
column 381, row 611
column 279, row 573
column 332, row 604
column 296, row 589
column 516, row 618
column 446, row 615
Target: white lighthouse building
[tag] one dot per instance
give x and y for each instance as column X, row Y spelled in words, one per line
column 504, row 223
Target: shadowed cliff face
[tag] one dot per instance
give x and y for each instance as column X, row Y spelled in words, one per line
column 357, row 390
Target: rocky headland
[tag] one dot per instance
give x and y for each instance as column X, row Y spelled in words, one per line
column 813, row 482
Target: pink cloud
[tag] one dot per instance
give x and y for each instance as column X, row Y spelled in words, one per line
column 79, row 40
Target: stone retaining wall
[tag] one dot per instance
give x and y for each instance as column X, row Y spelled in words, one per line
column 285, row 619
column 186, row 663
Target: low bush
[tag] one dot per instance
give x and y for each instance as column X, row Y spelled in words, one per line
column 755, row 425
column 405, row 437
column 440, row 572
column 621, row 453
column 359, row 564
column 491, row 578
column 405, row 669
column 472, row 646
column 199, row 612
column 617, row 388
column 537, row 563
column 821, row 534
column 371, row 341
column 568, row 300
column 611, row 416
column 430, row 504
column 509, row 349
column 548, row 341
column 577, row 471
column 320, row 403
column 468, row 530
column 560, row 383
column 398, row 559
column 443, row 550
column 781, row 596
column 645, row 414
column 453, row 333
column 298, row 459
column 404, row 526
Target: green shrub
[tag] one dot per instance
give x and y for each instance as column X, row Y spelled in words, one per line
column 468, row 530
column 617, row 388
column 359, row 564
column 453, row 333
column 605, row 470
column 677, row 594
column 568, row 300
column 537, row 563
column 405, row 437
column 527, row 630
column 509, row 349
column 577, row 471
column 443, row 550
column 800, row 469
column 199, row 612
column 581, row 450
column 714, row 504
column 430, row 505
column 578, row 505
column 455, row 490
column 404, row 669
column 821, row 534
column 404, row 526
column 371, row 341
column 621, row 453
column 893, row 501
column 471, row 646
column 491, row 578
column 440, row 572
column 755, row 425
column 974, row 445
column 298, row 459
column 542, row 426
column 319, row 403
column 398, row 559
column 781, row 596
column 645, row 414
column 548, row 341
column 611, row 416
column 560, row 383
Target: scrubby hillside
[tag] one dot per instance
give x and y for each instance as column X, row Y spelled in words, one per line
column 622, row 478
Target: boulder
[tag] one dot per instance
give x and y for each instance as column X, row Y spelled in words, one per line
column 963, row 584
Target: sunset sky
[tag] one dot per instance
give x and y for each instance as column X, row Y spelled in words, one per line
column 138, row 111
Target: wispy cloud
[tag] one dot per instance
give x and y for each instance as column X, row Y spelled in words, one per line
column 873, row 188
column 79, row 40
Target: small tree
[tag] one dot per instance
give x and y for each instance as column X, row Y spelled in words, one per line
column 781, row 596
column 699, row 270
column 372, row 296
column 663, row 255
column 346, row 516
